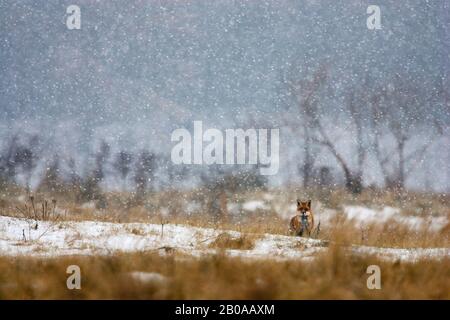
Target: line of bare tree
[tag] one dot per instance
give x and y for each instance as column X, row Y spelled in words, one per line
column 383, row 121
column 21, row 156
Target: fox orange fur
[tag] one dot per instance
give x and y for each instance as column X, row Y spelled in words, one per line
column 303, row 222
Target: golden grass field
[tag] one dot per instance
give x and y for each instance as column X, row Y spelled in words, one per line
column 332, row 275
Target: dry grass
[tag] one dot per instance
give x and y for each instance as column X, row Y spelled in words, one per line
column 226, row 241
column 331, row 276
column 172, row 207
column 388, row 235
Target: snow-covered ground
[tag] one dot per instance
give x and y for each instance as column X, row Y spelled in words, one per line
column 19, row 237
column 363, row 215
column 358, row 214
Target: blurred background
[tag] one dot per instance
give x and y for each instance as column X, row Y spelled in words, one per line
column 93, row 109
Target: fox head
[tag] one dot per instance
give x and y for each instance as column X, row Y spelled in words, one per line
column 303, row 206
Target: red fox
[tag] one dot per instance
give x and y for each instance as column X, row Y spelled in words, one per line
column 304, row 220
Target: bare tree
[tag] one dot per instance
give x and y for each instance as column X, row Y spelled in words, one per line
column 398, row 112
column 90, row 184
column 7, row 166
column 122, row 164
column 101, row 159
column 25, row 157
column 52, row 180
column 18, row 156
column 74, row 178
column 144, row 171
column 355, row 104
column 305, row 92
column 75, row 181
column 10, row 166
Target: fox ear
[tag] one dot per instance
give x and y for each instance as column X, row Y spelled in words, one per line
column 298, row 202
column 309, row 203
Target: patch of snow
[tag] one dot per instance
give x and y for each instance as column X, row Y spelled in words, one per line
column 254, row 205
column 164, row 211
column 409, row 255
column 88, row 205
column 268, row 196
column 192, row 207
column 148, row 277
column 103, row 238
column 363, row 215
column 233, row 208
column 366, row 215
